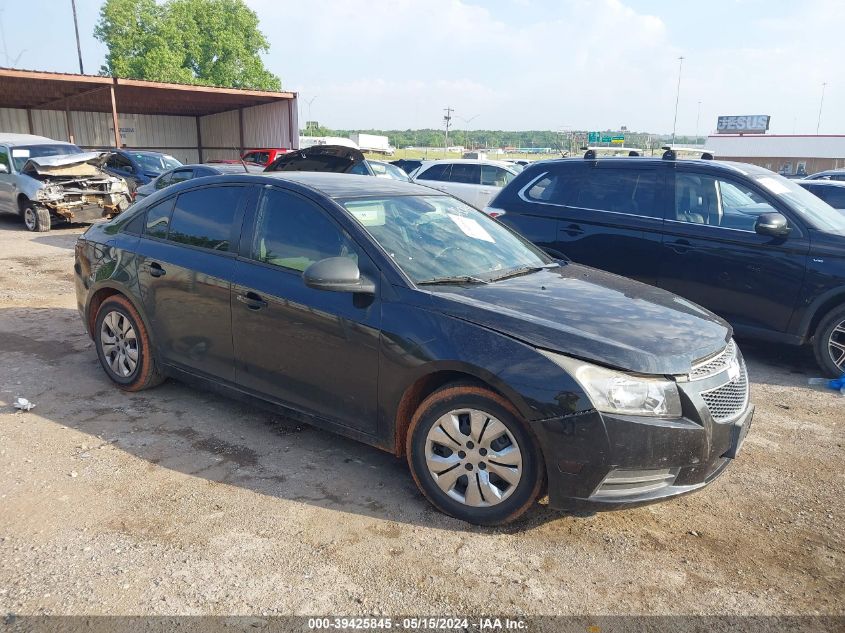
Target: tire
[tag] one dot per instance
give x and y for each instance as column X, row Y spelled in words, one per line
column 829, row 335
column 129, row 362
column 35, row 218
column 463, row 426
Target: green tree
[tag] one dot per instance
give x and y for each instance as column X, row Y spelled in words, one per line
column 207, row 42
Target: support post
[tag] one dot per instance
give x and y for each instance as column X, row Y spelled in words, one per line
column 29, row 121
column 199, row 138
column 114, row 118
column 69, row 124
column 240, row 132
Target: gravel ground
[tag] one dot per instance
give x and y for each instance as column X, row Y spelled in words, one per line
column 176, row 501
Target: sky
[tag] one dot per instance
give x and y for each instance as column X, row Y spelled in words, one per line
column 518, row 64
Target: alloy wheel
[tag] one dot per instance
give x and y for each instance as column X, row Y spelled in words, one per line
column 120, row 344
column 836, row 345
column 29, row 218
column 473, row 458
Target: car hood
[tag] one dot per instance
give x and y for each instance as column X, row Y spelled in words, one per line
column 592, row 315
column 81, row 164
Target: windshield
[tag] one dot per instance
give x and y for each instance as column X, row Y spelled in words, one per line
column 386, row 170
column 156, row 163
column 814, row 210
column 437, row 237
column 23, row 153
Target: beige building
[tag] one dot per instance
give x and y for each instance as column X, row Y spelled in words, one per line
column 788, row 154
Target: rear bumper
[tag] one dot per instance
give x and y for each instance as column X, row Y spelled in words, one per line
column 638, row 461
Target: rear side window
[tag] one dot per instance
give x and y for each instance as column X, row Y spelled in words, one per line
column 204, row 217
column 158, row 219
column 554, row 187
column 630, row 191
column 180, row 175
column 467, row 174
column 436, row 172
column 834, row 196
column 493, row 176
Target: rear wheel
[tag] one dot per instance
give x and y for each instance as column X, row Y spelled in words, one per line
column 829, row 342
column 123, row 346
column 473, row 457
column 35, row 218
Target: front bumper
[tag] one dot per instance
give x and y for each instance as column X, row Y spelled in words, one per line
column 593, row 459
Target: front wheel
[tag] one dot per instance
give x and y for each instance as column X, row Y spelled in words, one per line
column 36, row 219
column 473, row 457
column 829, row 342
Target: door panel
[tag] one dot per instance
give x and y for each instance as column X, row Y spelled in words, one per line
column 312, row 349
column 751, row 280
column 614, row 220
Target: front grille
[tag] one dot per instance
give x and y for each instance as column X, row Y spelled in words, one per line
column 729, row 400
column 714, row 365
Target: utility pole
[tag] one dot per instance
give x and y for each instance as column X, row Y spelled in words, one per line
column 821, row 103
column 677, row 97
column 697, row 119
column 447, row 118
column 76, row 28
column 308, row 123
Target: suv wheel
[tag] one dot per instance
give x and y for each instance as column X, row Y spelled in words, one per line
column 123, row 346
column 829, row 342
column 472, row 457
column 36, row 219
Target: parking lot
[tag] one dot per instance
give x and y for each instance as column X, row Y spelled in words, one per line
column 174, row 500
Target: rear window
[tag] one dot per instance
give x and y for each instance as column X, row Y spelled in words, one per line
column 629, row 191
column 204, row 217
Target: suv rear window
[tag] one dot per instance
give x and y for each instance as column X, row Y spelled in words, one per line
column 630, row 191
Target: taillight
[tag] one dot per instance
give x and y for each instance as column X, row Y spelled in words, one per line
column 494, row 212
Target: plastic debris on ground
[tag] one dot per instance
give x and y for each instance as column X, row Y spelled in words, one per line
column 23, row 404
column 836, row 384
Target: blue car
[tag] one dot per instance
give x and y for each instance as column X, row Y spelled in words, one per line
column 138, row 167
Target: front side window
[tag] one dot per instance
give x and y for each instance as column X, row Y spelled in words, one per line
column 163, row 180
column 205, row 217
column 180, row 175
column 293, row 233
column 705, row 199
column 437, row 237
column 629, row 191
column 438, row 172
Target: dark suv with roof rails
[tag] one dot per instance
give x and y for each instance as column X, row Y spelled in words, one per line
column 748, row 244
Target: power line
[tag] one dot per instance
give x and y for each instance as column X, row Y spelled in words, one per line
column 821, row 103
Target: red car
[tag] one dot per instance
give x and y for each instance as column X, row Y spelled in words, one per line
column 261, row 157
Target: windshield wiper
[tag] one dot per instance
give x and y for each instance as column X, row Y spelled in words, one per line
column 457, row 279
column 526, row 270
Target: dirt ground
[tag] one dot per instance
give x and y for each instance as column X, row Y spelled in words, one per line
column 176, row 501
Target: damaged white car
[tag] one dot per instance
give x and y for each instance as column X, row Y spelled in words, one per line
column 45, row 181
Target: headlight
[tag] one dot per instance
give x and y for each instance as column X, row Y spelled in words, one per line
column 617, row 392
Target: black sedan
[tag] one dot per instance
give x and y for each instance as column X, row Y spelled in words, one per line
column 404, row 318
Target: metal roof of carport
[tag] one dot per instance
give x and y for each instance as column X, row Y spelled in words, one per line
column 36, row 90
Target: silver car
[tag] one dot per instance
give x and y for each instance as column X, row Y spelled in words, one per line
column 44, row 180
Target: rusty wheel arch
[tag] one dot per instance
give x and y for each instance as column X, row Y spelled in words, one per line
column 421, row 389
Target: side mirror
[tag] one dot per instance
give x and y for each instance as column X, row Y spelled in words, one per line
column 4, row 169
column 337, row 274
column 772, row 224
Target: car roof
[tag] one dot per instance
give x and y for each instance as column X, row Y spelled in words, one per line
column 143, row 152
column 727, row 165
column 470, row 161
column 351, row 185
column 821, row 183
column 13, row 140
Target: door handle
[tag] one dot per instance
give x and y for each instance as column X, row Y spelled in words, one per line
column 252, row 301
column 155, row 269
column 680, row 246
column 572, row 229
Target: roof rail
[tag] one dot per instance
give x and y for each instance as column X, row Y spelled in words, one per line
column 672, row 153
column 592, row 153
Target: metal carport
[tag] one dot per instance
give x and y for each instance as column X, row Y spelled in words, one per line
column 195, row 123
